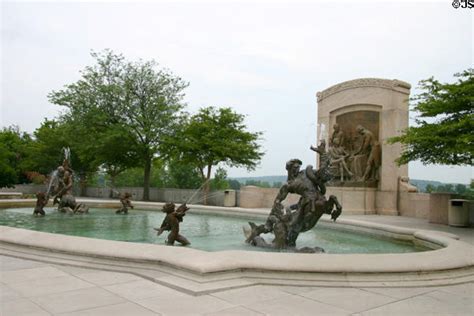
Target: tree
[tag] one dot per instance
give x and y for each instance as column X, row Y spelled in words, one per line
column 234, row 184
column 138, row 98
column 430, row 188
column 13, row 155
column 461, row 189
column 115, row 151
column 220, row 180
column 444, row 134
column 181, row 175
column 45, row 153
column 214, row 136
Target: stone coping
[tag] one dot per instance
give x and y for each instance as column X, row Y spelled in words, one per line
column 452, row 253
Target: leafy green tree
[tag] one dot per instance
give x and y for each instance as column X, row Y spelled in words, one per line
column 219, row 182
column 470, row 192
column 446, row 188
column 258, row 183
column 8, row 174
column 181, row 175
column 214, row 136
column 234, row 184
column 276, row 184
column 13, row 156
column 45, row 153
column 430, row 188
column 132, row 177
column 115, row 151
column 460, row 189
column 139, row 98
column 445, row 125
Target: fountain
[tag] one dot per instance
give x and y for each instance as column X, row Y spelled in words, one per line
column 171, row 223
column 60, row 188
column 126, row 203
column 310, row 184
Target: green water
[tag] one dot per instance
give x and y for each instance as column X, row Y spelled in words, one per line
column 206, row 232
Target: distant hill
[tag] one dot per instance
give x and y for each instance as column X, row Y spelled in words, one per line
column 420, row 184
column 269, row 179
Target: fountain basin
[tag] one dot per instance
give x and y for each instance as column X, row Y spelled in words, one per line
column 209, row 232
column 452, row 262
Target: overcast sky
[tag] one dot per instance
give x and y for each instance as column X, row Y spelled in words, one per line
column 265, row 60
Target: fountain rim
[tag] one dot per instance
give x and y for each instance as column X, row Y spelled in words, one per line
column 452, row 254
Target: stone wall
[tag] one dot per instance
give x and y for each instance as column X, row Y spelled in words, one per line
column 215, row 198
column 360, row 201
column 439, row 204
column 25, row 188
column 354, row 201
column 255, row 197
column 414, row 204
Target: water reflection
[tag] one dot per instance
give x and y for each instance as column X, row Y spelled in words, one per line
column 206, row 232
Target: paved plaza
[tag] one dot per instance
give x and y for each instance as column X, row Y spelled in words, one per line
column 37, row 288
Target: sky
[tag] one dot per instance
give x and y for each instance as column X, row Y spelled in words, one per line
column 265, row 59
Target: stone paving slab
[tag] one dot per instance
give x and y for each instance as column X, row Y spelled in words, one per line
column 21, row 307
column 8, row 294
column 252, row 294
column 68, row 294
column 49, row 286
column 187, row 305
column 123, row 309
column 142, row 289
column 400, row 293
column 31, row 274
column 107, row 278
column 349, row 299
column 10, row 263
column 433, row 303
column 235, row 311
column 295, row 305
column 70, row 301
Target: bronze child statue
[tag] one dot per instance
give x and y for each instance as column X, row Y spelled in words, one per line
column 41, row 201
column 126, row 203
column 171, row 223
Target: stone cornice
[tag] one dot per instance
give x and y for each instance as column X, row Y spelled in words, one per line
column 397, row 85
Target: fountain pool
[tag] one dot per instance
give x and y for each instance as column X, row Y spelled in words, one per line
column 206, row 232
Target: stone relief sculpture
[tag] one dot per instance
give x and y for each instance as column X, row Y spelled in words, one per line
column 359, row 162
column 371, row 149
column 171, row 223
column 339, row 155
column 288, row 223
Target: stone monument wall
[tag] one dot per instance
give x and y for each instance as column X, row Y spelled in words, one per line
column 381, row 107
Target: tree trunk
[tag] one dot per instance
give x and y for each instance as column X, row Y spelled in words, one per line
column 112, row 184
column 83, row 185
column 146, row 180
column 207, row 185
